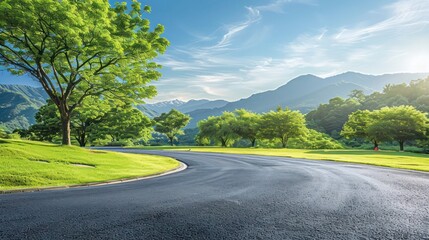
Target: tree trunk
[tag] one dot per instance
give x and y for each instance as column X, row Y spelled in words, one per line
column 375, row 144
column 401, row 145
column 171, row 141
column 82, row 140
column 284, row 142
column 223, row 142
column 253, row 142
column 81, row 135
column 65, row 127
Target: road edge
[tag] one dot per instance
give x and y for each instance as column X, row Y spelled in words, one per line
column 182, row 166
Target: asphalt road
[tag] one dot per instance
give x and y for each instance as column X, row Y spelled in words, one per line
column 231, row 197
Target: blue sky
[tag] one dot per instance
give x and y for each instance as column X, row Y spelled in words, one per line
column 230, row 49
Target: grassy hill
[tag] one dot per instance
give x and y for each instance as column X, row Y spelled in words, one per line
column 28, row 164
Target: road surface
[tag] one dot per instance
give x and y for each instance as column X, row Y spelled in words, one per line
column 224, row 196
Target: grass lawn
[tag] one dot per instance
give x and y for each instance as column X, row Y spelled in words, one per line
column 405, row 160
column 28, row 164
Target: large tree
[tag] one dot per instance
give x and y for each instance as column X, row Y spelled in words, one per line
column 362, row 124
column 94, row 120
column 246, row 125
column 219, row 128
column 170, row 124
column 77, row 49
column 330, row 118
column 123, row 123
column 402, row 123
column 282, row 125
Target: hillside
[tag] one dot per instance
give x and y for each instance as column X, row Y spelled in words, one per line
column 30, row 164
column 306, row 92
column 19, row 104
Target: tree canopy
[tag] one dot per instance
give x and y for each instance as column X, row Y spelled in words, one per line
column 219, row 129
column 170, row 124
column 282, row 125
column 246, row 125
column 99, row 120
column 331, row 117
column 401, row 124
column 77, row 49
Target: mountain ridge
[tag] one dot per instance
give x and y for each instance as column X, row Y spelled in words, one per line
column 310, row 88
column 19, row 103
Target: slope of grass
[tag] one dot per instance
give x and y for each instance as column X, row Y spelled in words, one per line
column 27, row 164
column 404, row 160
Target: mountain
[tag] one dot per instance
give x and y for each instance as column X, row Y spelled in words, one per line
column 306, row 92
column 19, row 104
column 156, row 109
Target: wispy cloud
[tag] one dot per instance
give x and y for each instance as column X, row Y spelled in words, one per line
column 278, row 5
column 215, row 69
column 253, row 16
column 404, row 14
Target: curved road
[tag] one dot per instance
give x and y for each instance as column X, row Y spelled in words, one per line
column 224, row 196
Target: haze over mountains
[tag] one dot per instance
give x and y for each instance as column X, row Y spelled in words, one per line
column 306, row 92
column 18, row 104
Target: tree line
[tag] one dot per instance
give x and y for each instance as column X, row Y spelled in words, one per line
column 330, row 117
column 397, row 110
column 115, row 123
column 105, row 123
column 275, row 128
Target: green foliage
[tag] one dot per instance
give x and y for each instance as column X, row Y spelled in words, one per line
column 219, row 129
column 282, row 125
column 77, row 49
column 331, row 117
column 361, row 125
column 246, row 125
column 48, row 123
column 93, row 122
column 171, row 124
column 402, row 123
column 314, row 140
column 123, row 123
column 188, row 138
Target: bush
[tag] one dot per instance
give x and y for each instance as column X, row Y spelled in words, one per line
column 315, row 140
column 13, row 136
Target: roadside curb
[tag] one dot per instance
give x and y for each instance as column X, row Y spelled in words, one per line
column 180, row 168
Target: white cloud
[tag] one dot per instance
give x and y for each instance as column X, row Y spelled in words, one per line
column 253, row 16
column 383, row 46
column 278, row 5
column 405, row 14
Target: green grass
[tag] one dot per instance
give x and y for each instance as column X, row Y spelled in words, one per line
column 404, row 160
column 28, row 164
